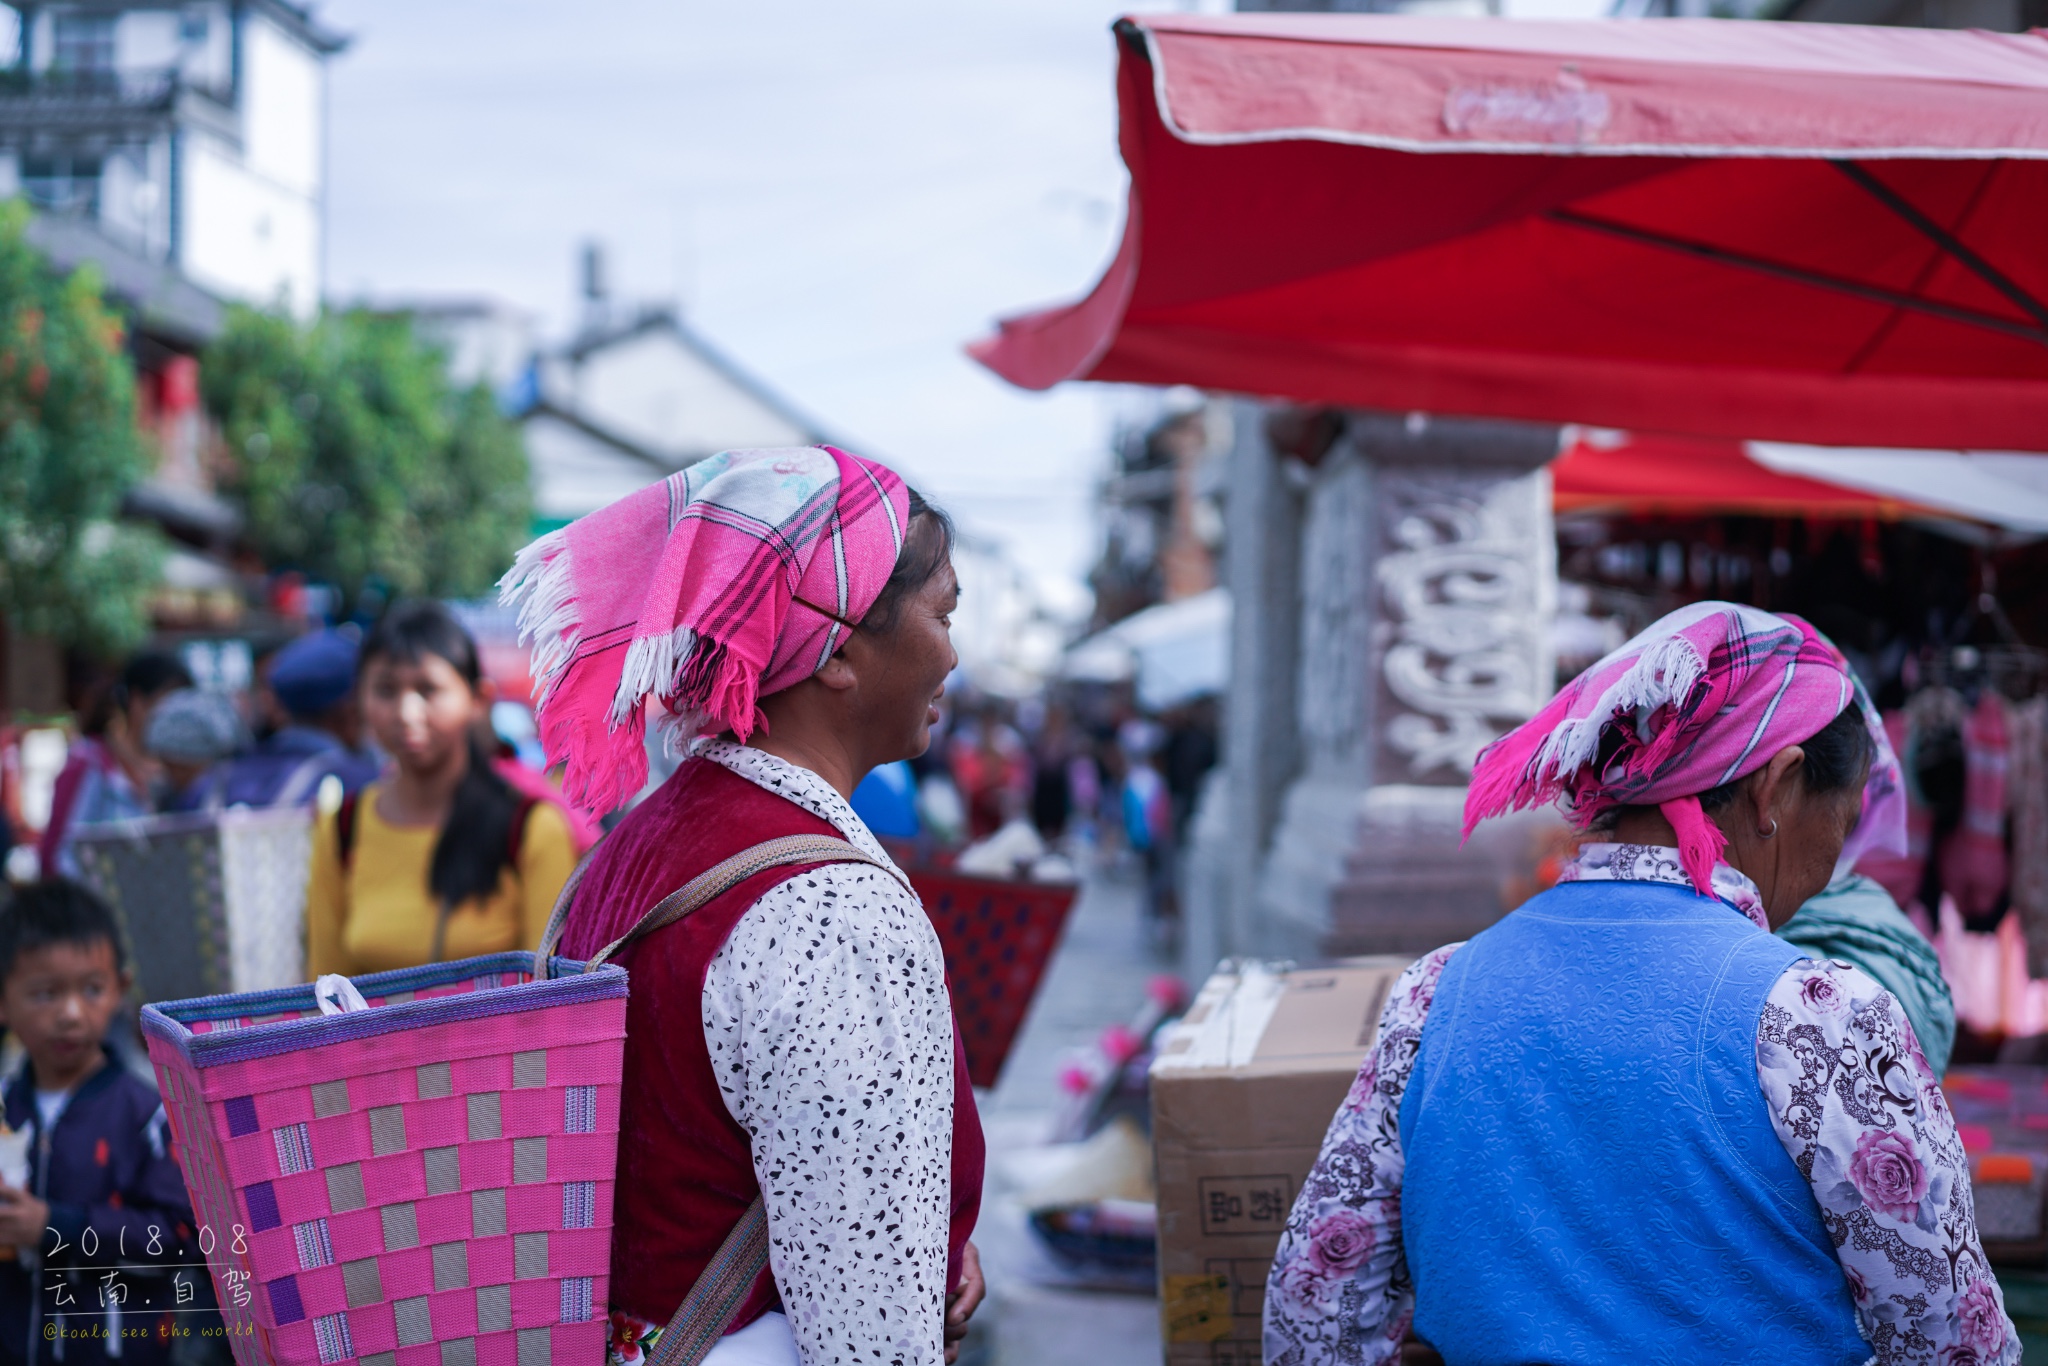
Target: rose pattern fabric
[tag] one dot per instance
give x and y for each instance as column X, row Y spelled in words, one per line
column 1340, row 1241
column 1980, row 1318
column 1861, row 1115
column 1339, row 1289
column 1889, row 1176
column 1849, row 1093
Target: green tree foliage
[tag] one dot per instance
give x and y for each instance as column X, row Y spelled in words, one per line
column 358, row 462
column 69, row 450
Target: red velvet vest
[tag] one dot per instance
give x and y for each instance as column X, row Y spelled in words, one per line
column 685, row 1170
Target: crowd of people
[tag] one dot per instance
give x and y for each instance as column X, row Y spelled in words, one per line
column 1649, row 1115
column 150, row 742
column 1079, row 767
column 429, row 843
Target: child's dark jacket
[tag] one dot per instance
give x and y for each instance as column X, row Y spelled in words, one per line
column 117, row 1204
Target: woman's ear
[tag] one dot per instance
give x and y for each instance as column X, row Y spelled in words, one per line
column 839, row 672
column 1773, row 788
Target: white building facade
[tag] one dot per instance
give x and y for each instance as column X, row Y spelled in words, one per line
column 190, row 134
column 634, row 399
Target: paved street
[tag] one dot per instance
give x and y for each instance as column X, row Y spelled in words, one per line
column 1097, row 979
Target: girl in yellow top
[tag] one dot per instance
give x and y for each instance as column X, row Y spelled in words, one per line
column 440, row 859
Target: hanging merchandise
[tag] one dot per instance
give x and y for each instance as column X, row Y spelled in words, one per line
column 1973, row 859
column 1902, row 874
column 2028, row 774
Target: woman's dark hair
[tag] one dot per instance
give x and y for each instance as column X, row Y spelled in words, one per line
column 148, row 675
column 476, row 844
column 1835, row 758
column 927, row 546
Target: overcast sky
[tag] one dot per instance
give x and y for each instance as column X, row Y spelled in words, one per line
column 839, row 194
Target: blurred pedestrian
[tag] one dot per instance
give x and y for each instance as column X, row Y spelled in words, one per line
column 107, row 774
column 313, row 682
column 1052, row 791
column 1148, row 818
column 443, row 859
column 992, row 770
column 886, row 801
column 1187, row 756
column 192, row 734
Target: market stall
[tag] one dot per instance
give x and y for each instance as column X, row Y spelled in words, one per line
column 1922, row 590
column 1815, row 237
column 1750, row 230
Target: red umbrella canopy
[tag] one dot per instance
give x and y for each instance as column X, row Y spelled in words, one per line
column 1814, row 233
column 1650, row 474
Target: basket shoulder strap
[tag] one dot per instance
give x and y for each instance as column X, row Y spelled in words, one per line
column 701, row 890
column 715, row 882
column 708, row 1310
column 558, row 918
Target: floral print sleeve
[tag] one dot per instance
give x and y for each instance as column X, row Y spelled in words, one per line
column 1859, row 1110
column 1338, row 1293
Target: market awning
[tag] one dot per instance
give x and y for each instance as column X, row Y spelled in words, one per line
column 2004, row 489
column 1804, row 232
column 1643, row 474
column 1175, row 650
column 1689, row 476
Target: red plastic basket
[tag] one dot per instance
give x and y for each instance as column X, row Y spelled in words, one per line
column 998, row 936
column 427, row 1182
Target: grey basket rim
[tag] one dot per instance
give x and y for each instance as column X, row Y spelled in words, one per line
column 170, row 1021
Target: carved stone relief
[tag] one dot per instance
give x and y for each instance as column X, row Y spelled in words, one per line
column 1428, row 584
column 1465, row 586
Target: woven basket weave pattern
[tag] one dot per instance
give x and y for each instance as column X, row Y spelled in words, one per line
column 210, row 902
column 425, row 1183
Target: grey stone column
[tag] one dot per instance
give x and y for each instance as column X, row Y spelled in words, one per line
column 1263, row 504
column 1428, row 585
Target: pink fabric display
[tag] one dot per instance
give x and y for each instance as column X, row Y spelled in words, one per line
column 1702, row 697
column 425, row 1181
column 1974, row 866
column 1901, row 873
column 724, row 583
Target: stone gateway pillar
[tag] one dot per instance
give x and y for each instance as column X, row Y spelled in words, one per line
column 1427, row 589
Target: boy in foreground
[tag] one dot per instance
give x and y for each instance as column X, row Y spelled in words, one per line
column 101, row 1221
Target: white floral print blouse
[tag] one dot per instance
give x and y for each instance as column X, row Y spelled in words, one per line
column 1850, row 1095
column 830, row 996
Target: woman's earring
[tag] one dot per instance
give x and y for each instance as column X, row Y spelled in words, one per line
column 1771, row 833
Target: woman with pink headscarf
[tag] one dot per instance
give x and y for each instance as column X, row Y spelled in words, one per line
column 799, row 1156
column 1627, row 1123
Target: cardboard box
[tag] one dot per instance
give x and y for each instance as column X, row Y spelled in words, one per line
column 1242, row 1091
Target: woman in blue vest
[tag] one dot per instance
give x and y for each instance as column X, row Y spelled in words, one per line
column 1627, row 1123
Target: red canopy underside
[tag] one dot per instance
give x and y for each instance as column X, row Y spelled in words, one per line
column 1785, row 293
column 1680, row 476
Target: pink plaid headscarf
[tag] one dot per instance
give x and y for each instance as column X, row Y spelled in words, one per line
column 722, row 584
column 1703, row 697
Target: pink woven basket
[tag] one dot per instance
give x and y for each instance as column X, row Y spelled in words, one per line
column 424, row 1183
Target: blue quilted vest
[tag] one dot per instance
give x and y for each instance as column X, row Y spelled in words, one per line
column 1592, row 1177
